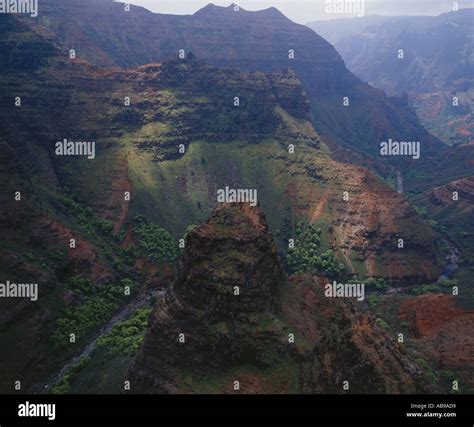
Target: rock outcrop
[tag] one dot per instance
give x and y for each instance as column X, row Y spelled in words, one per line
column 216, row 314
column 232, row 323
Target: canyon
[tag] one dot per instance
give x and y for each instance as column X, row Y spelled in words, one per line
column 231, row 306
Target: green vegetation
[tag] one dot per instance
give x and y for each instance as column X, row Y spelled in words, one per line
column 428, row 372
column 434, row 287
column 378, row 284
column 307, row 256
column 157, row 243
column 126, row 337
column 193, row 194
column 449, row 283
column 103, row 369
column 82, row 320
column 374, row 300
column 382, row 323
column 421, row 211
column 85, row 216
column 64, row 386
column 189, row 229
column 425, row 289
column 95, row 305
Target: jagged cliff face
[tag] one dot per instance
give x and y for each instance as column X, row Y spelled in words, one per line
column 247, row 41
column 188, row 103
column 204, row 335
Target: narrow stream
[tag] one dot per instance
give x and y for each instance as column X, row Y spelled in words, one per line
column 87, row 350
column 399, row 182
column 452, row 261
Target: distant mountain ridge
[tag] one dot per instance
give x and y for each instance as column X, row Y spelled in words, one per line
column 437, row 67
column 105, row 35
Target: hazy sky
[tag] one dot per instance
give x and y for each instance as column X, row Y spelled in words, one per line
column 303, row 11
